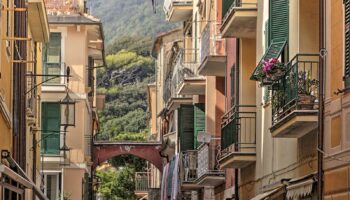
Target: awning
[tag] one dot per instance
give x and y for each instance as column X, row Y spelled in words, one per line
column 275, row 192
column 274, row 51
column 300, row 189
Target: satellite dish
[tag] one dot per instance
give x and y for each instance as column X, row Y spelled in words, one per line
column 204, row 137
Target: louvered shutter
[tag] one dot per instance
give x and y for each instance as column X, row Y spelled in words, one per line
column 51, row 122
column 347, row 44
column 274, row 51
column 279, row 19
column 186, row 127
column 233, row 85
column 199, row 121
column 228, row 134
column 226, row 5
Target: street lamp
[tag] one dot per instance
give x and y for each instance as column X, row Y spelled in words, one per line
column 67, row 107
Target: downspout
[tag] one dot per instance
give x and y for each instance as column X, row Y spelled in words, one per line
column 237, row 80
column 321, row 97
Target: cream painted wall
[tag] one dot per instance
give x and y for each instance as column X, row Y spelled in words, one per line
column 72, row 179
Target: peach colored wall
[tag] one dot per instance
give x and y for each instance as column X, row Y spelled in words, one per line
column 231, row 61
column 72, row 182
column 247, row 66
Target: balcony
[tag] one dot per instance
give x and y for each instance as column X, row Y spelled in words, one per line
column 188, row 170
column 294, row 98
column 37, row 19
column 178, row 10
column 142, row 182
column 207, row 171
column 238, row 137
column 213, row 52
column 239, row 18
column 188, row 81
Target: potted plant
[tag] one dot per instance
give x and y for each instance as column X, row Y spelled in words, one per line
column 307, row 89
column 271, row 70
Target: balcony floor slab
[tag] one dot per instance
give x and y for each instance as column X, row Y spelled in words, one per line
column 241, row 23
column 213, row 66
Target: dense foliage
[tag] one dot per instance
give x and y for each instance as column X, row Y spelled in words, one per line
column 117, row 185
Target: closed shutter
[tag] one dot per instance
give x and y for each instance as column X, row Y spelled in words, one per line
column 279, row 19
column 233, row 85
column 347, row 44
column 186, row 127
column 51, row 122
column 199, row 122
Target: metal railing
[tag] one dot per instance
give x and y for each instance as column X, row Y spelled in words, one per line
column 189, row 166
column 212, row 44
column 230, row 6
column 185, row 66
column 208, row 161
column 142, row 181
column 168, row 4
column 238, row 130
column 297, row 89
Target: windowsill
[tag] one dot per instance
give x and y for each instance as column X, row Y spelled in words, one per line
column 53, row 88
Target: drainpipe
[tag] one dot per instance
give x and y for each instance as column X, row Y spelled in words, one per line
column 321, row 97
column 237, row 79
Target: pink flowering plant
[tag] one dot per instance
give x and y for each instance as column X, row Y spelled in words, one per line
column 272, row 69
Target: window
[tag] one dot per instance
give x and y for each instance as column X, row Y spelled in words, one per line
column 53, row 185
column 52, row 58
column 51, row 123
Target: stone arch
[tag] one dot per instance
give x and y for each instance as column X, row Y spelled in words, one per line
column 150, row 153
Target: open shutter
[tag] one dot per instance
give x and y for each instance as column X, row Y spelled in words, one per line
column 228, row 135
column 186, row 127
column 347, row 44
column 199, row 121
column 226, row 5
column 274, row 51
column 51, row 122
column 278, row 27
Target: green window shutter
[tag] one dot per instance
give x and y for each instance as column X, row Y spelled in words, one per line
column 279, row 19
column 233, row 85
column 226, row 5
column 267, row 34
column 199, row 121
column 274, row 51
column 347, row 44
column 51, row 122
column 52, row 57
column 186, row 127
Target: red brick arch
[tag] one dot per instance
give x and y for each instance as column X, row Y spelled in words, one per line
column 103, row 151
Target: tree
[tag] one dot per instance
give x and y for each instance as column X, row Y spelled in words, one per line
column 117, row 184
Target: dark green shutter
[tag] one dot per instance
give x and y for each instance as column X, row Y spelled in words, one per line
column 347, row 43
column 199, row 121
column 233, row 85
column 267, row 34
column 279, row 19
column 274, row 51
column 228, row 134
column 278, row 27
column 226, row 5
column 186, row 127
column 51, row 122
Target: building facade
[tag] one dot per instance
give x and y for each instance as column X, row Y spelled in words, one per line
column 70, row 59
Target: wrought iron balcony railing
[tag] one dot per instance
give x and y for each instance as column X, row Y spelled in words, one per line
column 297, row 89
column 205, row 158
column 189, row 166
column 184, row 66
column 238, row 130
column 212, row 44
column 142, row 181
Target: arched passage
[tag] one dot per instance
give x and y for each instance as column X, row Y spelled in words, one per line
column 103, row 151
